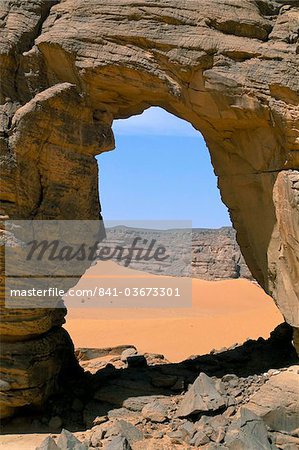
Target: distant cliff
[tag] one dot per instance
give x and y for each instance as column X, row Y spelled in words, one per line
column 215, row 252
column 216, row 255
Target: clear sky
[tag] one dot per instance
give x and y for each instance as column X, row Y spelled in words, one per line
column 160, row 170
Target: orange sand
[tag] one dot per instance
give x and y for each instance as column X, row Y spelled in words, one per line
column 223, row 313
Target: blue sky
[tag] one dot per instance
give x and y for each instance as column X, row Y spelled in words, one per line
column 159, row 170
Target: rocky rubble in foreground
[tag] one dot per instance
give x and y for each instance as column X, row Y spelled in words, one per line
column 253, row 413
column 241, row 398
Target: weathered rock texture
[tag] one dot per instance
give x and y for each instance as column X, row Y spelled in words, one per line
column 244, row 398
column 215, row 253
column 229, row 67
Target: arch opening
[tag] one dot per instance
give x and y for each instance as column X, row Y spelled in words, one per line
column 160, row 172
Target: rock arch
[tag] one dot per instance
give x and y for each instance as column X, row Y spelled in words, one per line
column 229, row 67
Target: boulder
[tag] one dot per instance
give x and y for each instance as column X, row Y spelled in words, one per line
column 277, row 401
column 203, row 396
column 48, row 444
column 137, row 403
column 129, row 431
column 128, row 352
column 200, row 438
column 55, row 423
column 67, row 441
column 97, row 434
column 247, row 432
column 155, row 411
column 188, row 429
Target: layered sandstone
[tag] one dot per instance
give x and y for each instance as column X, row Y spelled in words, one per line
column 212, row 254
column 229, row 67
column 216, row 255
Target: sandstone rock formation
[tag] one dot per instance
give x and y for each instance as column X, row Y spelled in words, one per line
column 204, row 395
column 215, row 252
column 68, row 68
column 216, row 255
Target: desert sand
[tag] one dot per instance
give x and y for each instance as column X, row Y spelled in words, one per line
column 222, row 313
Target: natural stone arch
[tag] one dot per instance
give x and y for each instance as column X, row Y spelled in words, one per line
column 229, row 67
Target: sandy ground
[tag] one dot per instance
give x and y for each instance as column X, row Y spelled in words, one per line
column 26, row 441
column 222, row 313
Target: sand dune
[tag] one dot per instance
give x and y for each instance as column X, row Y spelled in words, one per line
column 222, row 313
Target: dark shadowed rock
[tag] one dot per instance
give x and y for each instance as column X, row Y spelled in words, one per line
column 95, row 411
column 163, row 380
column 136, row 361
column 204, row 395
column 55, row 423
column 77, row 405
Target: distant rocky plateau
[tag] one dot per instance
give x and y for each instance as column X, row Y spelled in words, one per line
column 210, row 254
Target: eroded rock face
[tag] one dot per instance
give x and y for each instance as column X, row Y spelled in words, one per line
column 229, row 67
column 216, row 254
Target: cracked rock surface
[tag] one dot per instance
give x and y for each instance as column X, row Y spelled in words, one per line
column 69, row 68
column 118, row 406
